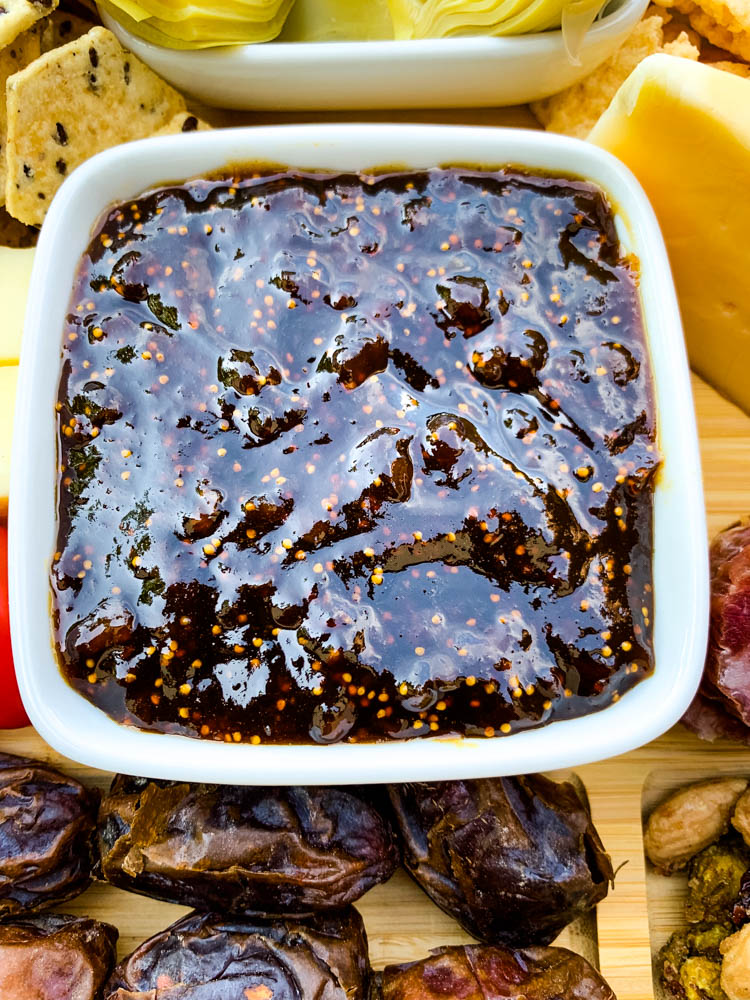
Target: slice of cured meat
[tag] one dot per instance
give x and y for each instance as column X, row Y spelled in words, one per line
column 722, row 706
column 709, row 720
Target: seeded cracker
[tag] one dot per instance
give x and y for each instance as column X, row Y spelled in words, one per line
column 68, row 105
column 18, row 15
column 184, row 122
column 14, row 57
column 576, row 110
column 62, row 27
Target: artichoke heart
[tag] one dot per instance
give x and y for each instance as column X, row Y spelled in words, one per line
column 338, row 20
column 441, row 18
column 194, row 24
column 181, row 24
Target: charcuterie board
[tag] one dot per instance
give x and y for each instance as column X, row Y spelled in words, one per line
column 403, row 924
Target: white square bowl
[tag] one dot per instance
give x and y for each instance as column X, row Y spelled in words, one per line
column 78, row 729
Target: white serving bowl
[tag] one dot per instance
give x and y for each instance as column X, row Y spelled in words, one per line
column 429, row 73
column 78, row 729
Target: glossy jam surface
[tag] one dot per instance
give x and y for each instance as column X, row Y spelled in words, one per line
column 355, row 458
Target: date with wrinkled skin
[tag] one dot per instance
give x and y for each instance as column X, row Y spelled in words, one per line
column 471, row 972
column 47, row 834
column 211, row 957
column 513, row 860
column 51, row 957
column 243, row 850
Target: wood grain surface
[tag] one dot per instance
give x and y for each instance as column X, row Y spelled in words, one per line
column 403, row 924
column 666, row 896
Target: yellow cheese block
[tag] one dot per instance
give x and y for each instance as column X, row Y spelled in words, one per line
column 8, row 381
column 15, row 271
column 684, row 130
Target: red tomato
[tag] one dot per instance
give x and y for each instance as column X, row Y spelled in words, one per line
column 12, row 714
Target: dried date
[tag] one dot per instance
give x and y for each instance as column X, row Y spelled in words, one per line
column 210, row 957
column 47, row 833
column 514, row 860
column 490, row 972
column 52, row 957
column 243, row 850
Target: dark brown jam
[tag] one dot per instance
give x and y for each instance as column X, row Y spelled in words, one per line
column 355, row 458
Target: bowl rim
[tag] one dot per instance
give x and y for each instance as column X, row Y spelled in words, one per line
column 79, row 730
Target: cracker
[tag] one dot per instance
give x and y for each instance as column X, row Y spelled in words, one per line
column 685, row 45
column 576, row 110
column 68, row 105
column 60, row 28
column 724, row 23
column 733, row 36
column 734, row 15
column 14, row 57
column 678, row 24
column 185, row 121
column 18, row 15
column 730, row 66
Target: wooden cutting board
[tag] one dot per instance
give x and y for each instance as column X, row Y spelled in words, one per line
column 403, row 924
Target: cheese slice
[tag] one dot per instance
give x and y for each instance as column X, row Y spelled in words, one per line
column 683, row 128
column 15, row 272
column 8, row 381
